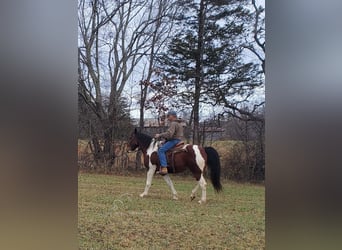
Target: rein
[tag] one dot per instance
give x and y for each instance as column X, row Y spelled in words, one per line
column 127, row 152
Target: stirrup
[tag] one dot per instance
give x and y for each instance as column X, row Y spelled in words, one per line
column 163, row 171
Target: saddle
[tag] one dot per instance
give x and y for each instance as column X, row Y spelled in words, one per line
column 177, row 147
column 171, row 153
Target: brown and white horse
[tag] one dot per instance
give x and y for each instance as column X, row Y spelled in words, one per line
column 194, row 157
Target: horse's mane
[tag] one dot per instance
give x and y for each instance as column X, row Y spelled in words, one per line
column 144, row 139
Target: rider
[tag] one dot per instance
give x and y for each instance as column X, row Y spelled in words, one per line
column 173, row 135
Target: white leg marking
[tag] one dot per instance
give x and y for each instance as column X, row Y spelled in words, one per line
column 203, row 185
column 149, row 178
column 199, row 158
column 170, row 184
column 152, row 168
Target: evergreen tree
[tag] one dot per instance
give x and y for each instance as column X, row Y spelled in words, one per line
column 205, row 54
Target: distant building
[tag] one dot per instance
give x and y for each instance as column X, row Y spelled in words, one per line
column 153, row 123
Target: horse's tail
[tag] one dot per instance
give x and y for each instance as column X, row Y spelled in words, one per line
column 213, row 162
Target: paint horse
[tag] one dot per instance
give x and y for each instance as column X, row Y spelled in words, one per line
column 193, row 157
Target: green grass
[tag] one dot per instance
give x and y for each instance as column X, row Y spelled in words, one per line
column 113, row 216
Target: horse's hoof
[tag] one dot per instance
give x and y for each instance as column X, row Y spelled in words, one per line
column 192, row 197
column 201, row 202
column 175, row 197
column 142, row 195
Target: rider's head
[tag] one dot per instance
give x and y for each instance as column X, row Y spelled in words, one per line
column 171, row 115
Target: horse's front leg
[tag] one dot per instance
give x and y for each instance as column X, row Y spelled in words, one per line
column 170, row 184
column 149, row 178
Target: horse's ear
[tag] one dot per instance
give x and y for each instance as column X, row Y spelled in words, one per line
column 135, row 131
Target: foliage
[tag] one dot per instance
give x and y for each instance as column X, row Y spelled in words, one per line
column 90, row 126
column 244, row 163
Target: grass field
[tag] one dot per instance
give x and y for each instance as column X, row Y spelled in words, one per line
column 113, row 216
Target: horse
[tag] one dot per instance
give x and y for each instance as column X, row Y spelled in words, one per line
column 193, row 157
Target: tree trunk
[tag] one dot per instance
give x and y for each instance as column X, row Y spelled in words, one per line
column 108, row 148
column 198, row 73
column 95, row 146
column 143, row 96
column 195, row 135
column 141, row 118
column 141, row 126
column 96, row 149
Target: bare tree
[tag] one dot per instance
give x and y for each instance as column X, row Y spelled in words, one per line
column 114, row 37
column 257, row 46
column 165, row 12
column 89, row 70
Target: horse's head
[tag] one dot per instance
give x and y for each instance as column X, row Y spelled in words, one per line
column 133, row 140
column 140, row 140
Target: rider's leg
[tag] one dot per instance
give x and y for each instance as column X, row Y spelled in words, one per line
column 162, row 156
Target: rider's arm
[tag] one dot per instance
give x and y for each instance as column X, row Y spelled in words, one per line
column 170, row 132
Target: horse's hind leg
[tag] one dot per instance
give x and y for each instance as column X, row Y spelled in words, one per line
column 203, row 185
column 197, row 170
column 170, row 184
column 193, row 192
